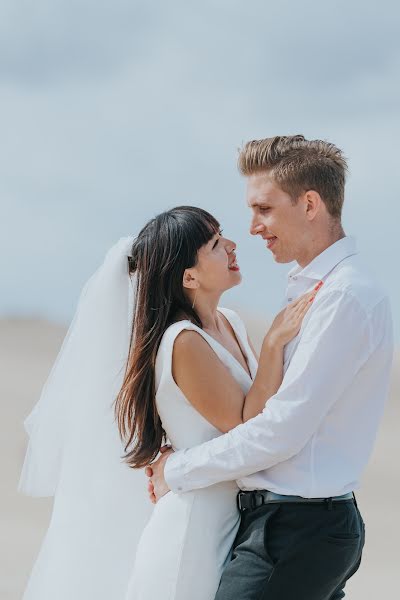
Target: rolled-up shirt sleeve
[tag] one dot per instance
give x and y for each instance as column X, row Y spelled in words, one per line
column 334, row 345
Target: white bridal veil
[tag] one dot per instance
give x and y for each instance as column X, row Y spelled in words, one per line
column 74, row 451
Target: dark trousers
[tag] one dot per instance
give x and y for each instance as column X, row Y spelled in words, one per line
column 291, row 551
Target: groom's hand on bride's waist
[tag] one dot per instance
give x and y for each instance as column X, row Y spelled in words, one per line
column 157, row 486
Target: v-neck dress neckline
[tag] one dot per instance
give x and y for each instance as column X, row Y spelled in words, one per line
column 244, row 347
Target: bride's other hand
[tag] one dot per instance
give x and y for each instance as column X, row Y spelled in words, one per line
column 287, row 323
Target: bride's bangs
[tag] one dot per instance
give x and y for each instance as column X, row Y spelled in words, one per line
column 202, row 225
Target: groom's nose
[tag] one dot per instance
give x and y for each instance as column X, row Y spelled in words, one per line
column 256, row 228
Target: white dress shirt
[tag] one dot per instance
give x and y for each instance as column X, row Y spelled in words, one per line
column 315, row 435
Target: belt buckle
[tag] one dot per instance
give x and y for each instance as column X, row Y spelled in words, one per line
column 253, row 496
column 239, row 503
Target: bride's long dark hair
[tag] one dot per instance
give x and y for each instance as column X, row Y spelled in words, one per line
column 164, row 248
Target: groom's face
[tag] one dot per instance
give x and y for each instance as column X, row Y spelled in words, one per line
column 282, row 224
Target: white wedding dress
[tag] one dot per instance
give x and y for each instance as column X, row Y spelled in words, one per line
column 105, row 540
column 187, row 541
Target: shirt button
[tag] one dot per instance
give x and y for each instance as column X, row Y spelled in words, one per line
column 290, row 299
column 179, row 488
column 295, row 277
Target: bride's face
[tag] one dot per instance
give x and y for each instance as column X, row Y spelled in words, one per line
column 216, row 270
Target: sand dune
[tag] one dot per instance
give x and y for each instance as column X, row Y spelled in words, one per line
column 27, row 351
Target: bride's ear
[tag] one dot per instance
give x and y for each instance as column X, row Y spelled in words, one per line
column 189, row 281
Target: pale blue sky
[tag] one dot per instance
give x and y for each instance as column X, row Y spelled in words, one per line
column 114, row 111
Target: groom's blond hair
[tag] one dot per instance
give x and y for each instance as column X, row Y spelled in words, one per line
column 298, row 165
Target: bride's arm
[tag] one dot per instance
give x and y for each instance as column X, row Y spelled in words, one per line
column 270, row 365
column 208, row 384
column 268, row 379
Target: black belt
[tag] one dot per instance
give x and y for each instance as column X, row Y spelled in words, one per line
column 254, row 499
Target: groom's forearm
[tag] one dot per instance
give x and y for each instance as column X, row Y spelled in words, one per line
column 323, row 366
column 220, row 459
column 253, row 446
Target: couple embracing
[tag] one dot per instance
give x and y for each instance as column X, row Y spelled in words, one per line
column 253, row 492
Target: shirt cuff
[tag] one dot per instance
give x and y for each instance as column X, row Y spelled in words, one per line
column 174, row 471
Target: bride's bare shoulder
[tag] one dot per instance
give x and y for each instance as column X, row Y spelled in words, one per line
column 189, row 341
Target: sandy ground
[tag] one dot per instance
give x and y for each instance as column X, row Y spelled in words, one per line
column 27, row 351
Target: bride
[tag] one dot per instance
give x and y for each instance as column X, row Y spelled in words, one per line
column 149, row 357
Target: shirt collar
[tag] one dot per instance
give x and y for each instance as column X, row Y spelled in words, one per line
column 323, row 264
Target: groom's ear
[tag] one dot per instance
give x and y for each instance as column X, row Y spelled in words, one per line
column 312, row 204
column 189, row 281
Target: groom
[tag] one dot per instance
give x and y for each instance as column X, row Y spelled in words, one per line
column 298, row 462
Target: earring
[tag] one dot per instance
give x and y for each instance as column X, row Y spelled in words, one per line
column 195, row 296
